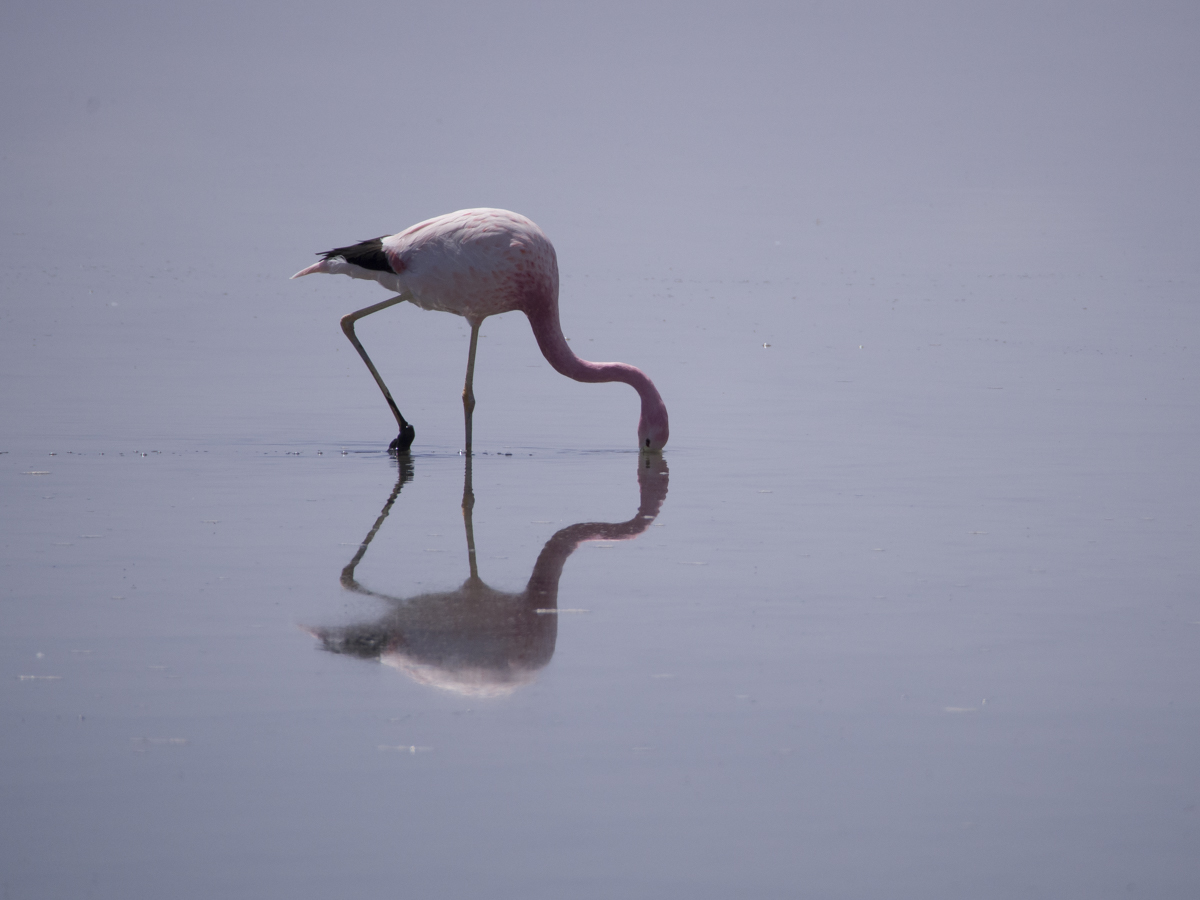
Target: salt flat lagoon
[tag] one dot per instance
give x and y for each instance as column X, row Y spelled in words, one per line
column 907, row 607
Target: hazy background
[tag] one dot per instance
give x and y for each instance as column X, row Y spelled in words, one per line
column 216, row 147
column 921, row 136
column 918, row 283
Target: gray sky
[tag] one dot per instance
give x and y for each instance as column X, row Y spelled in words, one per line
column 1009, row 136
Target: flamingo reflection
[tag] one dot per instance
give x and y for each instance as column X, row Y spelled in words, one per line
column 477, row 640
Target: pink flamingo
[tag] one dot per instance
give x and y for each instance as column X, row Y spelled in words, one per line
column 478, row 263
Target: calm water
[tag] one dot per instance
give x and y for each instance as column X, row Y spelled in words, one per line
column 908, row 607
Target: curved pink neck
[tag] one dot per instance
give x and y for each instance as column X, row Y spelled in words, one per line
column 543, row 318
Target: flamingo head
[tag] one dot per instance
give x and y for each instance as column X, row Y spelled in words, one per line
column 653, row 430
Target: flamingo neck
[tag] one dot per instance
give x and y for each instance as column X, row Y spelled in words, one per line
column 543, row 318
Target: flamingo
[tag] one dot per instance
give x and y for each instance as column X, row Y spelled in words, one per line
column 477, row 263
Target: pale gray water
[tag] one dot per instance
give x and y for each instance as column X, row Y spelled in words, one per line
column 917, row 615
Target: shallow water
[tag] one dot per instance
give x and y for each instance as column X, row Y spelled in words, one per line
column 907, row 608
column 958, row 640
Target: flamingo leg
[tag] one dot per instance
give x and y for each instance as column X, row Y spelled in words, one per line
column 468, row 392
column 404, row 440
column 468, row 507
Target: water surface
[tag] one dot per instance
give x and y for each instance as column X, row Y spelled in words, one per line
column 907, row 608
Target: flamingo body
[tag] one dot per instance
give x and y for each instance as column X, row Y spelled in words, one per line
column 477, row 263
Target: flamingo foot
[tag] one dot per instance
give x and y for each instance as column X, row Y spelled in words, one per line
column 403, row 440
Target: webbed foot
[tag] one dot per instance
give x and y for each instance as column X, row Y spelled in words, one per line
column 403, row 440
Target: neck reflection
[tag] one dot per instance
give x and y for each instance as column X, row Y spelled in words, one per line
column 477, row 640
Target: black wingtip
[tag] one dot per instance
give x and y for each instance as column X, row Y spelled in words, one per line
column 368, row 254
